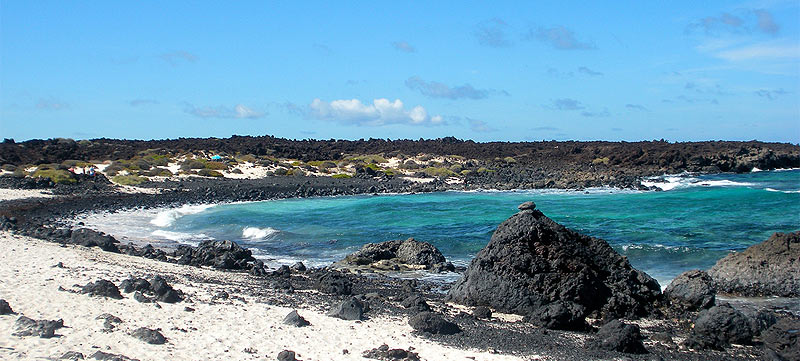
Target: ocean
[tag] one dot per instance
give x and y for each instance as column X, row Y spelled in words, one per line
column 693, row 222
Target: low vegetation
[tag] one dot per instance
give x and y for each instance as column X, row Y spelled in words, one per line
column 129, row 180
column 58, row 176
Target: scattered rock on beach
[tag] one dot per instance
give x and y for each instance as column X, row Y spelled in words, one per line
column 416, row 302
column 156, row 289
column 334, row 283
column 5, row 308
column 90, row 238
column 559, row 315
column 109, row 321
column 100, row 355
column 287, row 355
column 433, row 323
column 150, row 336
column 617, row 336
column 350, row 309
column 691, row 291
column 385, row 353
column 294, row 319
column 72, row 356
column 398, row 255
column 43, row 328
column 719, row 327
column 102, row 288
column 482, row 312
column 770, row 268
column 532, row 261
column 782, row 340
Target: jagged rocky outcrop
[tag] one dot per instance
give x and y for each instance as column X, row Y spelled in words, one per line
column 782, row 340
column 217, row 254
column 397, row 255
column 770, row 268
column 532, row 261
column 691, row 291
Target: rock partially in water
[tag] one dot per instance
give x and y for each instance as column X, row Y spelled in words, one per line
column 719, row 327
column 691, row 291
column 90, row 238
column 102, row 288
column 782, row 340
column 26, row 326
column 397, row 255
column 617, row 336
column 770, row 268
column 532, row 261
column 217, row 254
column 433, row 323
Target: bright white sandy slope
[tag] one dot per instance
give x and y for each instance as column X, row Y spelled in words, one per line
column 214, row 331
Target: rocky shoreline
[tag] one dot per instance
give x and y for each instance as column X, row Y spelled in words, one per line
column 565, row 321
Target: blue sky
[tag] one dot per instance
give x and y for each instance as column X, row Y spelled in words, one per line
column 510, row 71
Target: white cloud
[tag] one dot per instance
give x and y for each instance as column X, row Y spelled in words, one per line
column 771, row 50
column 382, row 111
column 238, row 112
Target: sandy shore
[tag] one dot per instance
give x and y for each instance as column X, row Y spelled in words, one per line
column 232, row 329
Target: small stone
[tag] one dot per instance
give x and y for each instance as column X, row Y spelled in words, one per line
column 5, row 308
column 294, row 319
column 286, row 355
column 529, row 205
column 150, row 336
column 102, row 288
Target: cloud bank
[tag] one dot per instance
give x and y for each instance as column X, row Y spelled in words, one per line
column 382, row 111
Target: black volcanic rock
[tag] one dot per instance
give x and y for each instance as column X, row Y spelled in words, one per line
column 26, row 326
column 532, row 261
column 150, row 336
column 718, row 327
column 335, row 283
column 770, row 268
column 617, row 336
column 559, row 315
column 294, row 319
column 102, row 288
column 217, row 254
column 782, row 340
column 385, row 353
column 350, row 309
column 691, row 291
column 5, row 308
column 397, row 255
column 90, row 238
column 433, row 323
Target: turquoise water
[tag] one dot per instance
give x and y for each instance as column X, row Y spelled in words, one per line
column 696, row 222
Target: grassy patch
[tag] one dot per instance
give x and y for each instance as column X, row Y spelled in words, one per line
column 603, row 160
column 129, row 180
column 509, row 160
column 209, row 173
column 370, row 158
column 56, row 175
column 216, row 166
column 341, row 176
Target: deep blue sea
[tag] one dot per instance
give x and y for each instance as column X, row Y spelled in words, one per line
column 694, row 222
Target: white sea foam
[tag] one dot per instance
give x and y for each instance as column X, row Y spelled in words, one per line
column 778, row 190
column 180, row 236
column 254, row 233
column 169, row 216
column 755, row 169
column 668, row 183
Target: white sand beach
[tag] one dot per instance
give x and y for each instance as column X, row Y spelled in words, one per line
column 229, row 329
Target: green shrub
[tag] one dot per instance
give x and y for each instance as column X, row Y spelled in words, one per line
column 390, row 172
column 425, row 157
column 484, row 170
column 314, row 163
column 281, row 171
column 129, row 180
column 248, row 158
column 373, row 167
column 157, row 159
column 56, row 175
column 140, row 164
column 19, row 173
column 466, row 172
column 456, row 168
column 603, row 160
column 341, row 176
column 296, row 163
column 193, row 164
column 438, row 172
column 216, row 166
column 370, row 158
column 209, row 173
column 509, row 160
